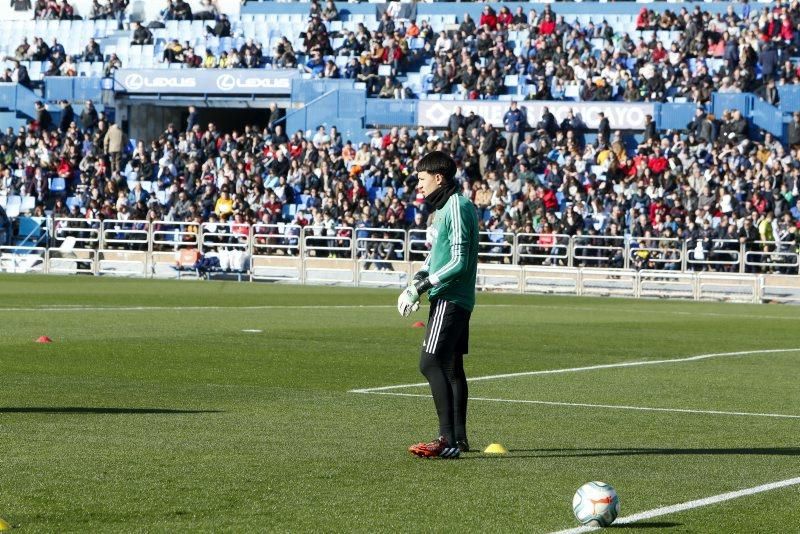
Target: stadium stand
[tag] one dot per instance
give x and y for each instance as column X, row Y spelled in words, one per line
column 537, row 102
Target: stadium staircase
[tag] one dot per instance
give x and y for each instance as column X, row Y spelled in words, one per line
column 32, row 232
column 340, row 103
column 16, row 105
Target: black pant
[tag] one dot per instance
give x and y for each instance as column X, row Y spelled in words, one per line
column 442, row 363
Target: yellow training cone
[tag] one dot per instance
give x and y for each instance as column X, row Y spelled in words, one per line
column 495, row 448
column 4, row 525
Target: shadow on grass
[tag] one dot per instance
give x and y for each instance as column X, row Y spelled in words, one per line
column 85, row 410
column 651, row 524
column 588, row 453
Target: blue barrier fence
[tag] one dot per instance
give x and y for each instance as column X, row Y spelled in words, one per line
column 790, row 98
column 400, row 112
column 767, row 117
column 320, row 111
column 671, row 116
column 352, row 103
column 72, row 88
column 741, row 101
column 308, row 90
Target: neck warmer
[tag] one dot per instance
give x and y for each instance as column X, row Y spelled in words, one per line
column 438, row 198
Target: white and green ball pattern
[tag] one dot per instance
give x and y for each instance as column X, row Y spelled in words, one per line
column 596, row 504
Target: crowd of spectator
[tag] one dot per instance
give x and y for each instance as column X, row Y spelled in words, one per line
column 58, row 62
column 63, row 10
column 713, row 184
column 536, row 176
column 704, row 52
column 741, row 50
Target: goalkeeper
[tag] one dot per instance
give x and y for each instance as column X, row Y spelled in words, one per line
column 448, row 276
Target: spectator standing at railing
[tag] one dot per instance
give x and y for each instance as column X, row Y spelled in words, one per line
column 20, row 75
column 44, row 120
column 67, row 116
column 114, row 143
column 514, row 123
column 488, row 145
column 793, row 133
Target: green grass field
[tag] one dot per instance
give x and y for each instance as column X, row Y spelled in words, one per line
column 153, row 411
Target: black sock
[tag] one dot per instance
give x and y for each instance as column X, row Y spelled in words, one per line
column 460, row 395
column 439, row 371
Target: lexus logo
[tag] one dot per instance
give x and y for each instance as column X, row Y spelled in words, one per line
column 226, row 82
column 437, row 113
column 134, row 82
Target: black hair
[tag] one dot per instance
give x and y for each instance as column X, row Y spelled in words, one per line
column 437, row 162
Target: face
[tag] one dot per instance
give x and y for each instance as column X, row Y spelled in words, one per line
column 428, row 183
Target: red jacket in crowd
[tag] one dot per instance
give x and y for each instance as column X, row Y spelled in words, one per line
column 657, row 208
column 547, row 27
column 490, row 19
column 642, row 19
column 549, row 199
column 505, row 18
column 657, row 164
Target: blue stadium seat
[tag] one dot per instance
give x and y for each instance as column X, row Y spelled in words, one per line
column 73, row 201
column 57, row 185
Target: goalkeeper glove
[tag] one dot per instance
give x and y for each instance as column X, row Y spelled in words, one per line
column 408, row 301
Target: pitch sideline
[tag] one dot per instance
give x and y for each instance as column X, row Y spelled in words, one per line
column 604, row 406
column 82, row 308
column 587, row 368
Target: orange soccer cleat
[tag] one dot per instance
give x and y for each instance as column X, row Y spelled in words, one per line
column 438, row 448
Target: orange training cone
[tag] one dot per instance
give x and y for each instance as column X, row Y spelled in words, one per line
column 44, row 339
column 418, row 324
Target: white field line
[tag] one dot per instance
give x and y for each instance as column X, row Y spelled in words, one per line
column 587, row 368
column 605, row 406
column 189, row 308
column 80, row 308
column 675, row 508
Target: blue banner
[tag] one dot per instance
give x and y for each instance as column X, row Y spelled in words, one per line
column 205, row 81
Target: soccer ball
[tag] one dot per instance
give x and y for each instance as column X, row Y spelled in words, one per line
column 596, row 504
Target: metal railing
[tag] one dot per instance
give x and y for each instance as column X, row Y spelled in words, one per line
column 85, row 232
column 276, row 239
column 600, row 251
column 655, row 253
column 125, row 234
column 543, row 249
column 328, row 242
column 168, row 235
column 496, row 246
column 380, row 246
column 367, row 247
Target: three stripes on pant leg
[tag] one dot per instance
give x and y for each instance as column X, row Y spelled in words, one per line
column 436, row 326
